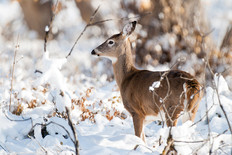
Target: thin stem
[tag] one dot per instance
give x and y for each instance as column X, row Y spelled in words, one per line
column 13, row 68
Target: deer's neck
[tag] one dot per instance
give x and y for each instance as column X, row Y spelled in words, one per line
column 124, row 65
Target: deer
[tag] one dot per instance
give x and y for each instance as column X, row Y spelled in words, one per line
column 175, row 91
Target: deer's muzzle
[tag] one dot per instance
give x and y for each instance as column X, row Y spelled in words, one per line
column 94, row 52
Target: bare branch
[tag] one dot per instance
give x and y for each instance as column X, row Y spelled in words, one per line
column 55, row 124
column 137, row 17
column 76, row 142
column 200, row 141
column 219, row 100
column 27, row 119
column 206, row 141
column 38, row 144
column 207, row 65
column 136, row 146
column 4, row 148
column 205, row 92
column 86, row 26
column 227, row 40
column 169, row 148
column 203, row 116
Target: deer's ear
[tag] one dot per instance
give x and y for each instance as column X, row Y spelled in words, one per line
column 129, row 28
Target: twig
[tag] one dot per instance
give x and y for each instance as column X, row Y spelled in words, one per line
column 219, row 101
column 226, row 42
column 223, row 151
column 206, row 104
column 169, row 147
column 76, row 143
column 202, row 117
column 47, row 28
column 206, row 141
column 200, row 141
column 55, row 124
column 13, row 68
column 220, row 148
column 120, row 19
column 197, row 141
column 222, row 108
column 4, row 148
column 86, row 26
column 207, row 65
column 46, row 152
column 207, row 33
column 136, row 146
column 38, row 71
column 27, row 119
column 207, row 113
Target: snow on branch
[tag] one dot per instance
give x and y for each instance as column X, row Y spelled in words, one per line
column 155, row 85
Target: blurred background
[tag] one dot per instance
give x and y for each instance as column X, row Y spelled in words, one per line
column 194, row 32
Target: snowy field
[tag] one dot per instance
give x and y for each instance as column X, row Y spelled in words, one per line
column 103, row 125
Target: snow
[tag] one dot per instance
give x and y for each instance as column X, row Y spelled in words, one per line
column 154, row 85
column 102, row 123
column 46, row 28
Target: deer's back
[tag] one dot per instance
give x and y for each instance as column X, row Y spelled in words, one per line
column 139, row 99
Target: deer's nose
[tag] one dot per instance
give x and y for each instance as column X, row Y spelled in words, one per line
column 93, row 52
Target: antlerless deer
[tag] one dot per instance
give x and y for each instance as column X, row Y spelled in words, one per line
column 175, row 91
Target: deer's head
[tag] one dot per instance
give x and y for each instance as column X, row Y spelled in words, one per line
column 112, row 47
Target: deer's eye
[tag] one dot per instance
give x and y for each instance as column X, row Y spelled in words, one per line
column 110, row 42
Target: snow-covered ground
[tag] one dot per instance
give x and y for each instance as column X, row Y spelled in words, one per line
column 103, row 125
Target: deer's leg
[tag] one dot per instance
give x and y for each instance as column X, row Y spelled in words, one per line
column 138, row 126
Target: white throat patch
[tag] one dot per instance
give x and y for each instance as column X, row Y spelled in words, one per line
column 113, row 59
